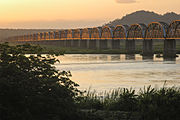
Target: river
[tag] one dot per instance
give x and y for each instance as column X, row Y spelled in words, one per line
column 110, row 71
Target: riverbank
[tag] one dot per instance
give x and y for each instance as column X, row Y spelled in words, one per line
column 157, row 49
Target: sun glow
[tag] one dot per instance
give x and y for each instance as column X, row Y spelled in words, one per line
column 17, row 11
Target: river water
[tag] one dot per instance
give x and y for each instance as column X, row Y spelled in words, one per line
column 110, row 71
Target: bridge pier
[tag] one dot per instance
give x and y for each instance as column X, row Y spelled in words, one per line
column 130, row 46
column 103, row 44
column 109, row 43
column 115, row 44
column 83, row 44
column 72, row 43
column 48, row 42
column 63, row 43
column 44, row 42
column 79, row 43
column 147, row 48
column 87, row 43
column 169, row 48
column 60, row 43
column 68, row 43
column 75, row 43
column 92, row 44
column 98, row 43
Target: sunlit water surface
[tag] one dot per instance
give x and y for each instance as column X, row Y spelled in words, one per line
column 108, row 71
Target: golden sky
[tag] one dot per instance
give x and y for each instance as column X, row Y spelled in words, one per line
column 74, row 13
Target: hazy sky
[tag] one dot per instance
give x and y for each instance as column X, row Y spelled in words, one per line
column 74, row 13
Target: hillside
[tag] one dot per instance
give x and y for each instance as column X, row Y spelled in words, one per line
column 144, row 17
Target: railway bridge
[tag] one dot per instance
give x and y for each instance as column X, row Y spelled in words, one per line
column 111, row 37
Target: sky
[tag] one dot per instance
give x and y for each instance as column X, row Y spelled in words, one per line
column 59, row 14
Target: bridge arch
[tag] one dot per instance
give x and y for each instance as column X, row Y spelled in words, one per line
column 85, row 37
column 38, row 36
column 106, row 37
column 120, row 32
column 95, row 37
column 172, row 34
column 76, row 37
column 77, row 33
column 47, row 35
column 43, row 35
column 69, row 40
column 154, row 35
column 63, row 34
column 52, row 35
column 156, row 30
column 119, row 36
column 96, row 32
column 57, row 35
column 31, row 37
column 86, row 33
column 70, row 34
column 134, row 38
column 25, row 38
column 34, row 37
column 20, row 38
column 107, row 32
column 174, row 30
column 136, row 31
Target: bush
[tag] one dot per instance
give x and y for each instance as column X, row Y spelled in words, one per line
column 31, row 88
column 125, row 100
column 163, row 104
column 149, row 103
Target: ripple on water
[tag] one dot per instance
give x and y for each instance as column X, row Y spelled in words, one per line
column 105, row 72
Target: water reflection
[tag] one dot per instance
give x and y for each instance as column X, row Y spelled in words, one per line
column 170, row 59
column 115, row 58
column 130, row 57
column 148, row 58
column 92, row 58
column 103, row 57
column 104, row 72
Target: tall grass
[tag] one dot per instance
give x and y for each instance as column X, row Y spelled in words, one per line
column 150, row 103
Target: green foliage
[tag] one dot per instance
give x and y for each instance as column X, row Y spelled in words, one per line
column 150, row 103
column 90, row 100
column 31, row 88
column 163, row 104
column 122, row 99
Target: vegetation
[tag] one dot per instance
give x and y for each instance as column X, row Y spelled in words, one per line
column 157, row 49
column 32, row 89
column 149, row 103
column 147, row 16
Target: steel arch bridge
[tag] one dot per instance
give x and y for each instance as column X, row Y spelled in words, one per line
column 108, row 37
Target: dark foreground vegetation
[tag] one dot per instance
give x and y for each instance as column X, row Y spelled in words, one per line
column 32, row 89
column 147, row 104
